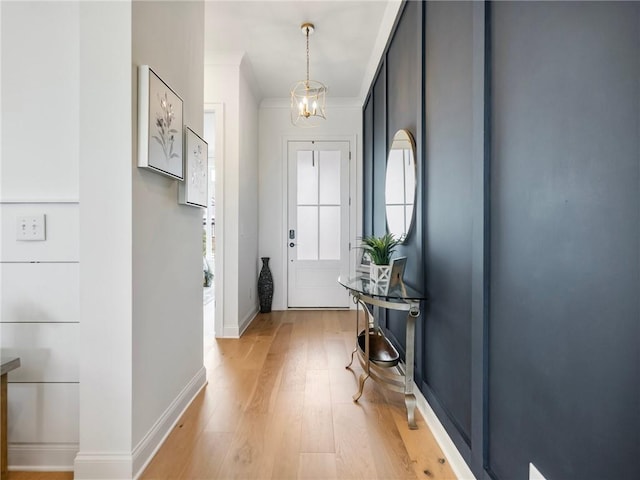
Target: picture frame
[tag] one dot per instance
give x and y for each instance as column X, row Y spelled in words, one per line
column 160, row 125
column 362, row 267
column 194, row 189
column 397, row 272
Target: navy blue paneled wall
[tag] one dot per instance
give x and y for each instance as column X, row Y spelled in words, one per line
column 527, row 240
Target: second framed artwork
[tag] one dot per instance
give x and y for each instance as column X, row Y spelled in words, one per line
column 193, row 191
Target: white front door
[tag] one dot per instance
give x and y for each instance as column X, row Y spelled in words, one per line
column 318, row 221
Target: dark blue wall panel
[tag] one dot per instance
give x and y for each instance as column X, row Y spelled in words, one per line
column 367, row 168
column 564, row 329
column 448, row 92
column 379, row 150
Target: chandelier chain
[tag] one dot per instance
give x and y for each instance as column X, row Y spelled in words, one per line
column 307, row 29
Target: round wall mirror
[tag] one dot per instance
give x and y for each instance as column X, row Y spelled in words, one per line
column 400, row 184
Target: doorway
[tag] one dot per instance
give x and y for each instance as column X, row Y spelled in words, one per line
column 209, row 229
column 318, row 224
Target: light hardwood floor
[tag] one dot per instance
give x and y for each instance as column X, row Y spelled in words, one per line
column 278, row 406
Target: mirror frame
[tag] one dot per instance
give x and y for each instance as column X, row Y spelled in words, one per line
column 406, row 134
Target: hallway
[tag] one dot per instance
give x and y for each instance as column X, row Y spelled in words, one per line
column 278, row 405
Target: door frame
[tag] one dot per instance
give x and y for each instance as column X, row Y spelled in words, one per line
column 354, row 228
column 218, row 321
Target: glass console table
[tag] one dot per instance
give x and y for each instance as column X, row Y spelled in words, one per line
column 378, row 357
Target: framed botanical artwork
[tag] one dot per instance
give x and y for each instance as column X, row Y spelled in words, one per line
column 362, row 267
column 159, row 125
column 193, row 191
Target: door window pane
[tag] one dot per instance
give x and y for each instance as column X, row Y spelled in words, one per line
column 394, row 185
column 330, row 233
column 395, row 218
column 307, row 241
column 307, row 178
column 329, row 162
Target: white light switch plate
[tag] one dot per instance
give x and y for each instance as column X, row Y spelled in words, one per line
column 30, row 228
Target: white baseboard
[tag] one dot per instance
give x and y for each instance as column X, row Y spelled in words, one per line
column 42, row 457
column 153, row 440
column 123, row 466
column 458, row 465
column 248, row 319
column 236, row 332
column 102, row 466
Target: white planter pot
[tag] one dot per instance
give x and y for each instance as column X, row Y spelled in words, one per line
column 379, row 274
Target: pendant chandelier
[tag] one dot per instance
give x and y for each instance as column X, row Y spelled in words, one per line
column 307, row 96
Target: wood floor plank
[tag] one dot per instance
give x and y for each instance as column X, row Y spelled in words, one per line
column 317, row 387
column 286, row 431
column 343, row 383
column 337, row 352
column 267, row 385
column 317, row 429
column 428, row 459
column 387, row 447
column 317, row 466
column 246, row 457
column 354, row 458
column 208, row 453
column 294, row 374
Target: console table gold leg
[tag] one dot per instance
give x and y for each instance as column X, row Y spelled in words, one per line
column 355, row 349
column 352, row 354
column 409, row 397
column 410, row 403
column 4, row 474
column 361, row 380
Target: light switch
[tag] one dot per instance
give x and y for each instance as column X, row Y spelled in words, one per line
column 31, row 228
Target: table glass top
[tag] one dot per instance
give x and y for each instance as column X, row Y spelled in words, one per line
column 362, row 284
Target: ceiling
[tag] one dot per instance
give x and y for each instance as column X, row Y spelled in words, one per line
column 344, row 50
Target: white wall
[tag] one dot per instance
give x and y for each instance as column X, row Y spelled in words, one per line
column 109, row 322
column 167, row 237
column 105, row 241
column 39, row 302
column 226, row 82
column 248, row 202
column 344, row 122
column 40, row 100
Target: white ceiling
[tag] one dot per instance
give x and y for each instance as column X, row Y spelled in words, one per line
column 344, row 50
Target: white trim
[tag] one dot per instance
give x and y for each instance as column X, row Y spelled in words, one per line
column 218, row 110
column 458, row 465
column 42, row 457
column 102, row 466
column 247, row 320
column 153, row 440
column 236, row 332
column 39, row 200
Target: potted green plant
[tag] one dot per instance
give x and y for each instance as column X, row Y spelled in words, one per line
column 379, row 250
column 208, row 274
